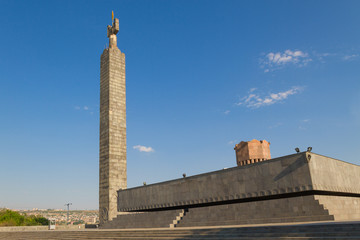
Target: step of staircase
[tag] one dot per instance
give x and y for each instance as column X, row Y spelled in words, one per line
column 178, row 218
column 331, row 230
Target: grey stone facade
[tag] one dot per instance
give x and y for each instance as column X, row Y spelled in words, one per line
column 289, row 174
column 296, row 188
column 112, row 156
column 258, row 179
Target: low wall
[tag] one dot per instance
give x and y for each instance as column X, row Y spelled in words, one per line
column 24, row 228
column 295, row 173
column 41, row 228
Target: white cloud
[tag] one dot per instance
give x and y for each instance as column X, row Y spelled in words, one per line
column 254, row 100
column 302, row 128
column 322, row 56
column 143, row 148
column 350, row 57
column 304, row 124
column 335, row 56
column 277, row 60
column 227, row 112
column 252, row 89
column 232, row 142
column 85, row 108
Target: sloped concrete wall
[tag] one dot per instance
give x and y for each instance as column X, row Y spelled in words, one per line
column 281, row 175
column 328, row 174
column 295, row 173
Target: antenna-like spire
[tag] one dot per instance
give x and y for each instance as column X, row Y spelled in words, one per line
column 112, row 16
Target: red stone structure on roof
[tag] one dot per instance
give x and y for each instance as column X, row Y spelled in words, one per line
column 252, row 152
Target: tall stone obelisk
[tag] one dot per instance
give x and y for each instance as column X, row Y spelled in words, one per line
column 112, row 156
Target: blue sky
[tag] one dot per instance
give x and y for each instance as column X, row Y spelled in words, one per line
column 201, row 76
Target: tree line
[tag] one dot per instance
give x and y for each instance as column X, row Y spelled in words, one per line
column 12, row 218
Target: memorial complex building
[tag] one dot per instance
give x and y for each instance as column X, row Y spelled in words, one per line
column 301, row 187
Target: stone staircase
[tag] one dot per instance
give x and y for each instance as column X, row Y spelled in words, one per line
column 328, row 230
column 296, row 209
column 178, row 218
column 158, row 219
column 283, row 210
